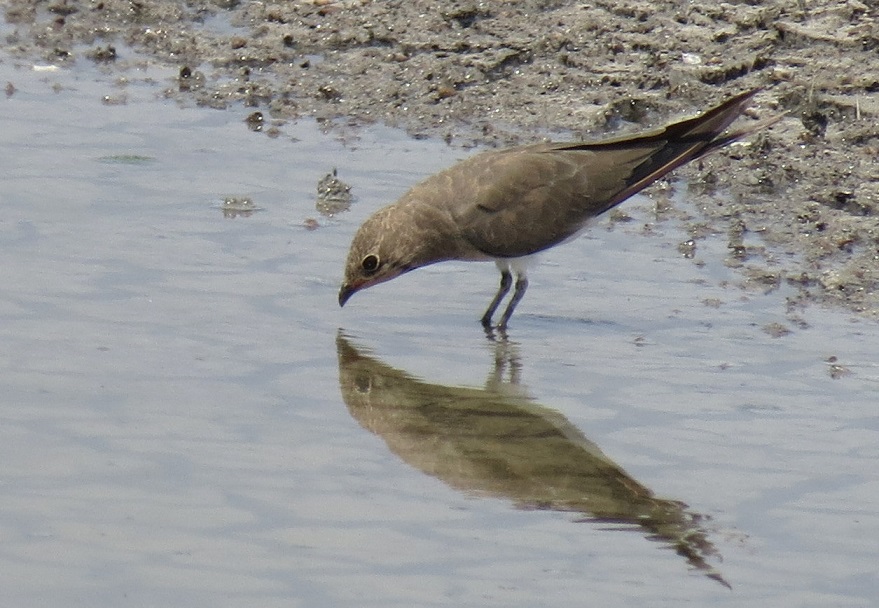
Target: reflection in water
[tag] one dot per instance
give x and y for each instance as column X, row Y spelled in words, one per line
column 497, row 442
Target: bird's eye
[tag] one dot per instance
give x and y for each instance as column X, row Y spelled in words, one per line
column 369, row 263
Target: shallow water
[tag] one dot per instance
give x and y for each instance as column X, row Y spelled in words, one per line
column 188, row 418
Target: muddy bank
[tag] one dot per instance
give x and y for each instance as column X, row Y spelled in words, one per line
column 506, row 72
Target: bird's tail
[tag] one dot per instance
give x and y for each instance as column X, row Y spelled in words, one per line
column 682, row 142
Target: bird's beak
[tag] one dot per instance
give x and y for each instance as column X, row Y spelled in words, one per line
column 346, row 292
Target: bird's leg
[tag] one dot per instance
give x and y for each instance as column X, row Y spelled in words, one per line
column 506, row 282
column 521, row 286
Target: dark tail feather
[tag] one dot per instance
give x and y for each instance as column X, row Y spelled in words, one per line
column 681, row 142
column 720, row 142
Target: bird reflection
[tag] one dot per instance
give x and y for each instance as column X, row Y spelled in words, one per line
column 498, row 442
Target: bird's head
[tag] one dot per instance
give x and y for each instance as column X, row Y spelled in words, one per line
column 379, row 253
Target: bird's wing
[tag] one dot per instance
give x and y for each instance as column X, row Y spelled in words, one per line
column 522, row 201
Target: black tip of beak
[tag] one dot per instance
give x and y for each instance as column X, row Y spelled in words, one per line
column 345, row 293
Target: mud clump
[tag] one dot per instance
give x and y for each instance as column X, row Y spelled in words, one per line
column 499, row 73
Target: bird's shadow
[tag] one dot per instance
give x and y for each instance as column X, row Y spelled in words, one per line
column 497, row 441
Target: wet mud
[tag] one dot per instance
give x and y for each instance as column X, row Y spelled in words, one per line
column 500, row 73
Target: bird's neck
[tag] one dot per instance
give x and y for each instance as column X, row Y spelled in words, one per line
column 430, row 234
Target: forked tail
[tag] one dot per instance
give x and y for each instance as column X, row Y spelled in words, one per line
column 681, row 142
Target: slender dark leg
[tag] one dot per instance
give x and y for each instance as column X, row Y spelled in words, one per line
column 521, row 286
column 506, row 282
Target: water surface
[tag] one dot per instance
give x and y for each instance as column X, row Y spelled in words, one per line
column 189, row 419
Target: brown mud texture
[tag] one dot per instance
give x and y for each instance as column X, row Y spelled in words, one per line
column 507, row 71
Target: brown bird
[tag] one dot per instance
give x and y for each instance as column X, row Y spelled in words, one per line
column 505, row 205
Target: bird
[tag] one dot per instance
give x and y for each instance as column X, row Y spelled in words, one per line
column 507, row 205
